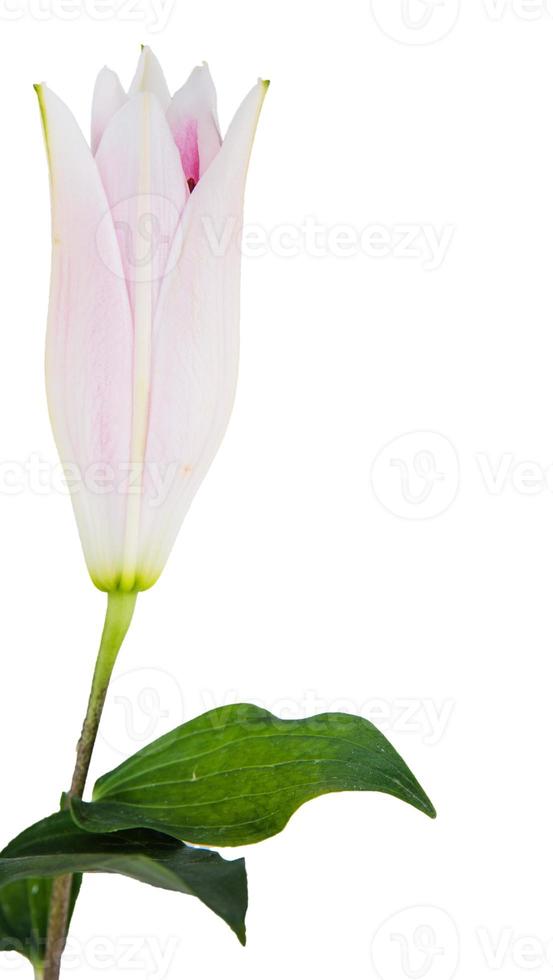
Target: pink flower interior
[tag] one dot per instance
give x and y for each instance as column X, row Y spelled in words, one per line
column 187, row 143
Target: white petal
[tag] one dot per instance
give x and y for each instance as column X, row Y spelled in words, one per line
column 89, row 342
column 195, row 344
column 108, row 97
column 149, row 77
column 140, row 168
column 194, row 107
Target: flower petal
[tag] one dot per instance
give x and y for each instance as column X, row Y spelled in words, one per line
column 192, row 116
column 108, row 97
column 140, row 168
column 195, row 344
column 149, row 77
column 89, row 343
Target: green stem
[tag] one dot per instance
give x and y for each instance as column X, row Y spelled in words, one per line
column 118, row 617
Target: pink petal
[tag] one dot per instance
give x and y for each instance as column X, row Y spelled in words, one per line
column 89, row 342
column 195, row 343
column 140, row 168
column 192, row 116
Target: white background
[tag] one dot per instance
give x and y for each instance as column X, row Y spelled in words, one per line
column 316, row 569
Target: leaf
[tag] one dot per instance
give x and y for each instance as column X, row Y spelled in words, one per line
column 57, row 846
column 237, row 774
column 24, row 907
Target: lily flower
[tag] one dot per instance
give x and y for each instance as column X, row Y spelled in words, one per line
column 143, row 324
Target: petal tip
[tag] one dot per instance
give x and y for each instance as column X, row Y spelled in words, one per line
column 39, row 88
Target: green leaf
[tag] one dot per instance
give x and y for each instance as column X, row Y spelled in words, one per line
column 237, row 774
column 24, row 907
column 57, row 846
